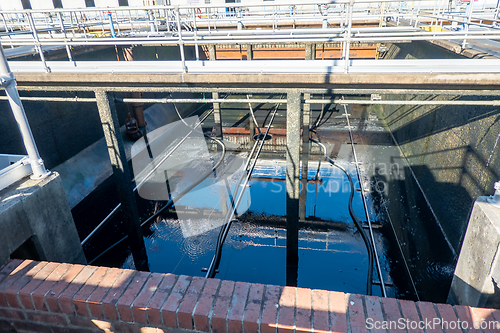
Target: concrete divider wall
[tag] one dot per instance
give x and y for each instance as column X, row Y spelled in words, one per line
column 53, row 297
column 477, row 275
column 453, row 151
column 35, row 212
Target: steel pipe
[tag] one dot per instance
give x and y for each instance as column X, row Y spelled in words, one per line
column 394, row 102
column 274, row 100
column 334, row 91
column 8, row 81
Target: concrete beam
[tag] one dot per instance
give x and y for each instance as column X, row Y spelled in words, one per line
column 476, row 281
column 88, row 81
column 121, row 173
column 293, row 125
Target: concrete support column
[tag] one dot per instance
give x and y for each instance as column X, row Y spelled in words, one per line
column 121, row 173
column 217, row 116
column 249, row 52
column 251, row 129
column 211, row 52
column 310, row 49
column 476, row 281
column 306, row 114
column 293, row 125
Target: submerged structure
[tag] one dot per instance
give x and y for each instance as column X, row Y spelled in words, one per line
column 346, row 147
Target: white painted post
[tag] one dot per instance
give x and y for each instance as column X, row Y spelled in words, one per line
column 8, row 81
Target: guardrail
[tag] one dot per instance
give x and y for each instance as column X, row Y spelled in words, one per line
column 253, row 23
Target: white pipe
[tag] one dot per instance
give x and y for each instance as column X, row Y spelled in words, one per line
column 9, row 83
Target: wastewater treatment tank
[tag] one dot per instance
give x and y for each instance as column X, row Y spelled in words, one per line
column 192, row 193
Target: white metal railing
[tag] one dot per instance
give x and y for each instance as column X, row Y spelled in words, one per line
column 248, row 23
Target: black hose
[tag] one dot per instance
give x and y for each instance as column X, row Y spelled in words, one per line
column 357, row 223
column 212, row 270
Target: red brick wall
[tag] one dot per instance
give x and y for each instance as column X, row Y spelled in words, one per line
column 53, row 297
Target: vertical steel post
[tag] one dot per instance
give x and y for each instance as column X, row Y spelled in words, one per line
column 348, row 37
column 196, row 50
column 181, row 42
column 497, row 11
column 111, row 25
column 470, row 5
column 292, row 184
column 418, row 13
column 37, row 41
column 63, row 30
column 306, row 115
column 8, row 81
column 325, row 18
column 121, row 173
column 217, row 116
column 240, row 24
column 7, row 30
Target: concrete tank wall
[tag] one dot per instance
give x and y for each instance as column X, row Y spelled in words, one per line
column 453, row 151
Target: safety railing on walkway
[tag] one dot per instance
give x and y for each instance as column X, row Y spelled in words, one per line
column 344, row 22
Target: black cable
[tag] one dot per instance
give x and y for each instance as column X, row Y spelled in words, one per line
column 366, row 239
column 225, row 229
column 171, row 201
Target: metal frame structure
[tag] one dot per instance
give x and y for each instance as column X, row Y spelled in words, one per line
column 252, row 23
column 8, row 82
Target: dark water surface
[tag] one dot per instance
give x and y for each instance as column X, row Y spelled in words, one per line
column 414, row 260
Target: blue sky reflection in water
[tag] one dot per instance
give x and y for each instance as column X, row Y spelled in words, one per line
column 331, row 258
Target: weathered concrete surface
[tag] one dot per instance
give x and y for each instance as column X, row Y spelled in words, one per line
column 453, row 151
column 415, row 80
column 477, row 275
column 421, row 50
column 466, row 52
column 37, row 210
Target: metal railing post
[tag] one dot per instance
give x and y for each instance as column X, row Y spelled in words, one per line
column 418, row 13
column 325, row 18
column 63, row 30
column 497, row 11
column 8, row 81
column 469, row 14
column 37, row 41
column 7, row 30
column 111, row 25
column 240, row 24
column 196, row 50
column 348, row 38
column 181, row 42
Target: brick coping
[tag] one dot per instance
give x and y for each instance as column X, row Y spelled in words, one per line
column 60, row 297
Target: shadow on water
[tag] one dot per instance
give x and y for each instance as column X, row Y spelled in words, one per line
column 416, row 261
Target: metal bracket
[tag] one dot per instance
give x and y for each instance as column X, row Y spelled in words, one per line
column 7, row 81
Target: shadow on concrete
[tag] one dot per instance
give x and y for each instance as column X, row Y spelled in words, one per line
column 415, row 235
